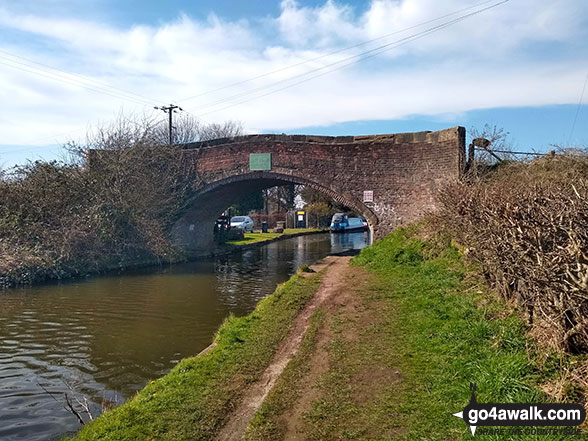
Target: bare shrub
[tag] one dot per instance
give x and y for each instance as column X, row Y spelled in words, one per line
column 188, row 129
column 497, row 140
column 271, row 219
column 527, row 225
column 111, row 206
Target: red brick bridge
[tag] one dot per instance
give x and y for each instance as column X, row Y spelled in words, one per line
column 402, row 171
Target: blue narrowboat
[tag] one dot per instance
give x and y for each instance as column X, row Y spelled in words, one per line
column 341, row 223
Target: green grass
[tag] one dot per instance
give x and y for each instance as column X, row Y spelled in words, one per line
column 194, row 399
column 255, row 237
column 401, row 360
column 305, row 269
column 354, row 391
column 443, row 337
column 262, row 237
column 265, row 424
column 302, row 230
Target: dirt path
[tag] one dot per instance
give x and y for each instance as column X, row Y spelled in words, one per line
column 332, row 284
column 292, row 421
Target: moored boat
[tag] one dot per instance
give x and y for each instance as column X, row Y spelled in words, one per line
column 341, row 223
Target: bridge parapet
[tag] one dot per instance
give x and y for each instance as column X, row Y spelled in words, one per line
column 402, row 171
column 393, row 138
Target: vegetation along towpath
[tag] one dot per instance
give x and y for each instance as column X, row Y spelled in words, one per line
column 380, row 346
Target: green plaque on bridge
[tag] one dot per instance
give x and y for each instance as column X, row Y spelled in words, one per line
column 260, row 161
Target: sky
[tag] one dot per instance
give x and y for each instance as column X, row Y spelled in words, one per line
column 311, row 67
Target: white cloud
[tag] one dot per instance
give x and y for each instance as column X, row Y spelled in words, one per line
column 323, row 26
column 518, row 54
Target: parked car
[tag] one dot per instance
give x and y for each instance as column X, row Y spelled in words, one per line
column 243, row 223
column 223, row 231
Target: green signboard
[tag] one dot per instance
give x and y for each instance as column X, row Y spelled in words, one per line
column 260, row 161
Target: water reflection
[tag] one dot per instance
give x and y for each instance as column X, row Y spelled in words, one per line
column 105, row 338
column 350, row 241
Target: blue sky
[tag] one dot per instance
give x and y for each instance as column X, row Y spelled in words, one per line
column 520, row 65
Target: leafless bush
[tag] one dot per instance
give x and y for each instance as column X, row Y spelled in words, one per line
column 527, row 225
column 498, row 140
column 271, row 219
column 112, row 205
column 189, row 129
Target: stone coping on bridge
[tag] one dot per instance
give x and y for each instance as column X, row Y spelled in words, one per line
column 394, row 138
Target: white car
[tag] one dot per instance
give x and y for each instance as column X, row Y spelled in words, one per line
column 243, row 223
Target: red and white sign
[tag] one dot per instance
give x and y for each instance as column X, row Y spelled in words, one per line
column 368, row 196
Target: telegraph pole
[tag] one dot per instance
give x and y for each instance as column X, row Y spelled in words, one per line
column 170, row 110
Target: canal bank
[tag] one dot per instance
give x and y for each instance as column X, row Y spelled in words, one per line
column 104, row 338
column 195, row 398
column 388, row 352
column 252, row 240
column 42, row 271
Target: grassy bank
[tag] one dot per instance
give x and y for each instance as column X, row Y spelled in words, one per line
column 391, row 357
column 194, row 399
column 251, row 238
column 448, row 334
column 401, row 360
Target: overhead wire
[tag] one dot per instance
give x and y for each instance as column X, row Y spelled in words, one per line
column 34, row 67
column 345, row 49
column 578, row 109
column 81, row 77
column 348, row 62
column 103, row 88
column 65, row 77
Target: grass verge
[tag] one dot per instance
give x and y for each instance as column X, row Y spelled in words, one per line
column 263, row 237
column 192, row 401
column 401, row 356
column 446, row 334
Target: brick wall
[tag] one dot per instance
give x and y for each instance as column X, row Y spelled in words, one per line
column 403, row 170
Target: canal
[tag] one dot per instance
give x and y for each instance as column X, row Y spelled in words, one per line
column 100, row 340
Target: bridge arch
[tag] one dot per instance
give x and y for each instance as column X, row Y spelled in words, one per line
column 193, row 232
column 401, row 173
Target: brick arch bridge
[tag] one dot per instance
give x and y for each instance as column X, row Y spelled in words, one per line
column 402, row 170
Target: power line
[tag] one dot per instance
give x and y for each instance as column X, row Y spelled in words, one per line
column 359, row 57
column 578, row 109
column 74, row 83
column 81, row 77
column 59, row 77
column 55, row 74
column 333, row 53
column 69, row 133
column 348, row 61
column 170, row 110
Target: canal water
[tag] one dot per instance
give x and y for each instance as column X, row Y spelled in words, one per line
column 100, row 340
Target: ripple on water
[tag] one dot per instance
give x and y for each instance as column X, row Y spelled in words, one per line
column 109, row 336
